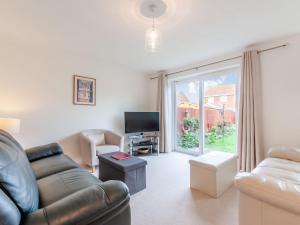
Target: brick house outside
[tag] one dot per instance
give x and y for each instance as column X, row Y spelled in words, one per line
column 217, row 100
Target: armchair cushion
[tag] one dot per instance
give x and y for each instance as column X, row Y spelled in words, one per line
column 103, row 149
column 16, row 176
column 44, row 151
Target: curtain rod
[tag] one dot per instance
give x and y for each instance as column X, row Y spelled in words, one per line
column 220, row 61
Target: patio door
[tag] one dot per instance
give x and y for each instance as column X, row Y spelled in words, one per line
column 205, row 112
column 187, row 112
column 220, row 111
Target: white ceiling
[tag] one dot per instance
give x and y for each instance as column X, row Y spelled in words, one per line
column 193, row 30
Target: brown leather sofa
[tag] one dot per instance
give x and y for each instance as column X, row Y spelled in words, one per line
column 42, row 186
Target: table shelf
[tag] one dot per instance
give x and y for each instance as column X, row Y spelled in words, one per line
column 151, row 142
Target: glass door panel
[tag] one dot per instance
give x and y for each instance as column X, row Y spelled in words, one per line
column 187, row 116
column 220, row 112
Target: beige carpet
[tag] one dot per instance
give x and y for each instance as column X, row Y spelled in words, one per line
column 168, row 200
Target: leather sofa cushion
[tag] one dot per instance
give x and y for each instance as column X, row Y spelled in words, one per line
column 60, row 185
column 288, row 153
column 51, row 165
column 104, row 203
column 9, row 213
column 43, row 151
column 284, row 170
column 16, row 175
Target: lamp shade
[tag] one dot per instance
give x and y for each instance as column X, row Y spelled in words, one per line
column 153, row 40
column 9, row 125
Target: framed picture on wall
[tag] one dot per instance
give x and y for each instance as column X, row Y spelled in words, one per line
column 84, row 90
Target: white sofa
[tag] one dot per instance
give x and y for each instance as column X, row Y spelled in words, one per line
column 270, row 194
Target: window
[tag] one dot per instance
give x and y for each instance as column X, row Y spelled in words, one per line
column 205, row 112
column 187, row 115
column 211, row 100
column 223, row 98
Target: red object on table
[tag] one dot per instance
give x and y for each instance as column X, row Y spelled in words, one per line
column 120, row 156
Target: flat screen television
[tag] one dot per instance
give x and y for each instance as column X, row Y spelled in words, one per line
column 136, row 122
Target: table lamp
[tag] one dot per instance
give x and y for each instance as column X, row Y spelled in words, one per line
column 10, row 125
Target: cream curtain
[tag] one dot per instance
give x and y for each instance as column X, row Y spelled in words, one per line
column 162, row 107
column 249, row 138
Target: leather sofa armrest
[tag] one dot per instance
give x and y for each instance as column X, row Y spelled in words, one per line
column 285, row 152
column 114, row 139
column 43, row 151
column 83, row 207
column 273, row 191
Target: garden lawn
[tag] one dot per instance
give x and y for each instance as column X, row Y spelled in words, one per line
column 226, row 144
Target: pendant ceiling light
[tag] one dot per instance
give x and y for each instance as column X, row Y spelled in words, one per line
column 153, row 9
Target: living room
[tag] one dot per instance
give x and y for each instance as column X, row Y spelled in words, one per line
column 201, row 98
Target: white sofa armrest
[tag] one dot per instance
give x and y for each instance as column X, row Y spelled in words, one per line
column 276, row 192
column 284, row 152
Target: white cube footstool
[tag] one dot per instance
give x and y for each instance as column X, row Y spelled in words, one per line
column 213, row 173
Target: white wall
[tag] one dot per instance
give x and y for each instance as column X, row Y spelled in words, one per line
column 281, row 94
column 280, row 90
column 36, row 86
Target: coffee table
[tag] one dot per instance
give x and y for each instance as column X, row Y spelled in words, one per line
column 131, row 171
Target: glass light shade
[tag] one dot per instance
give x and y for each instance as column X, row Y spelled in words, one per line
column 153, row 39
column 9, row 125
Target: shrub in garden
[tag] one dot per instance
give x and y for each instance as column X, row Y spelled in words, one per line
column 190, row 140
column 190, row 137
column 191, row 124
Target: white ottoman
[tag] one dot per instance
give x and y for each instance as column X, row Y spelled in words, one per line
column 213, row 173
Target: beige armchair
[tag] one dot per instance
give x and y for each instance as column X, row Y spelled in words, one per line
column 95, row 142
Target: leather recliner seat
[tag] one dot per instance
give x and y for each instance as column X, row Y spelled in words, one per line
column 43, row 186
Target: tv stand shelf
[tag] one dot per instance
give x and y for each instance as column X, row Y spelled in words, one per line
column 143, row 145
column 144, row 141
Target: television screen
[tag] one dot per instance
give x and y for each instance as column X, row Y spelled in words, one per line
column 141, row 122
